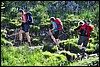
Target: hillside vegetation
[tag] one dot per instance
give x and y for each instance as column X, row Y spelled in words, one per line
column 70, row 13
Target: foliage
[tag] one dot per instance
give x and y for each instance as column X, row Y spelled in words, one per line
column 13, row 56
column 4, row 20
column 50, row 48
column 14, row 23
column 13, row 13
column 26, row 56
column 70, row 56
column 36, row 41
column 90, row 51
column 70, row 45
column 92, row 61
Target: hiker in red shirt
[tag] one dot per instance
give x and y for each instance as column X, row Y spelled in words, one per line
column 84, row 31
column 25, row 28
column 88, row 29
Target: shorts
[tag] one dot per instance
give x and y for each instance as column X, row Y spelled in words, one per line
column 84, row 40
column 25, row 27
column 56, row 34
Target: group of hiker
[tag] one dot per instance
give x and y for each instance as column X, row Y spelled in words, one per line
column 84, row 30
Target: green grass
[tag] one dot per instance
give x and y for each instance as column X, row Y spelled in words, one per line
column 28, row 57
column 35, row 57
column 92, row 61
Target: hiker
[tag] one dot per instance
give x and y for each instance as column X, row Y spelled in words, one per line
column 56, row 28
column 25, row 27
column 84, row 30
column 56, row 32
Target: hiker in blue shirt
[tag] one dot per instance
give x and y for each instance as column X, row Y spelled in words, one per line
column 56, row 32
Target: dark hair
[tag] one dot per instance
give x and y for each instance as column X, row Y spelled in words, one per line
column 80, row 23
column 20, row 10
column 52, row 18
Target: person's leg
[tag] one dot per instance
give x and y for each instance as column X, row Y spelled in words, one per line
column 57, row 42
column 56, row 37
column 80, row 41
column 26, row 29
column 28, row 36
column 52, row 36
column 20, row 36
column 85, row 42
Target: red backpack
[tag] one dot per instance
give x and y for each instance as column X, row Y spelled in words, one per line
column 59, row 24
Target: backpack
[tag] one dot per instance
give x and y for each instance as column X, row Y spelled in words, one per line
column 29, row 18
column 59, row 24
column 85, row 29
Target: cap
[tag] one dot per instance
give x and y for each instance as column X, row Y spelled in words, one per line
column 20, row 10
column 52, row 18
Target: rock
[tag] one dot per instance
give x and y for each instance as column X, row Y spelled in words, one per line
column 93, row 55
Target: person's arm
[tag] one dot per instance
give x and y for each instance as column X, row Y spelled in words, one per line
column 82, row 27
column 91, row 28
column 77, row 28
column 54, row 26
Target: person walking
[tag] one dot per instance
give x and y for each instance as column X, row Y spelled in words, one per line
column 25, row 27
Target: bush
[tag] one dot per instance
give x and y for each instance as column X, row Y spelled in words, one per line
column 36, row 41
column 39, row 15
column 50, row 48
column 90, row 45
column 92, row 61
column 70, row 45
column 90, row 51
column 14, row 23
column 3, row 33
column 28, row 57
column 97, row 48
column 34, row 29
column 54, row 59
column 13, row 13
column 70, row 56
column 4, row 20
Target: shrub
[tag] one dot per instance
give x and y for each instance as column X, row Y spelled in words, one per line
column 3, row 41
column 54, row 49
column 90, row 45
column 92, row 61
column 4, row 20
column 53, row 59
column 28, row 57
column 70, row 56
column 13, row 13
column 70, row 45
column 34, row 28
column 90, row 51
column 36, row 41
column 50, row 48
column 97, row 48
column 14, row 24
column 3, row 33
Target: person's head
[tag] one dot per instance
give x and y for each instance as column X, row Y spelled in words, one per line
column 20, row 11
column 52, row 19
column 80, row 23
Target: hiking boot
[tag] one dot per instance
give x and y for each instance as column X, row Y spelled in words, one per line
column 29, row 44
column 19, row 42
